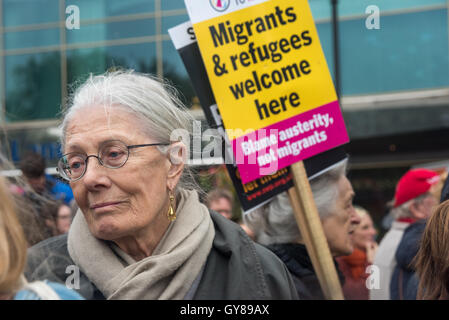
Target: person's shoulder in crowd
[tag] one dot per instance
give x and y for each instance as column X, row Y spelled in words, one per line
column 297, row 260
column 50, row 259
column 60, row 290
column 237, row 267
column 242, row 268
column 405, row 253
column 409, row 245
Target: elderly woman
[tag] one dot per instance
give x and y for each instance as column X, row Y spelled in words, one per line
column 141, row 232
column 354, row 266
column 278, row 230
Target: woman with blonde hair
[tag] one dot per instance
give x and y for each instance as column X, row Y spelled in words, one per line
column 354, row 266
column 432, row 260
column 13, row 245
column 13, row 251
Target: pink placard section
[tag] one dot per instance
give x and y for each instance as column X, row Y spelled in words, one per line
column 277, row 146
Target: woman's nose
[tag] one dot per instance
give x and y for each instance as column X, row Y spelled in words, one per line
column 95, row 176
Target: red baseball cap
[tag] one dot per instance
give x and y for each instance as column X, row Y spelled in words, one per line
column 413, row 184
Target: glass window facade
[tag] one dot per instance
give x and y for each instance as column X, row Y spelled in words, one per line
column 100, row 9
column 41, row 58
column 412, row 46
column 112, row 31
column 412, row 43
column 31, row 38
column 172, row 5
column 29, row 12
column 33, row 86
column 408, row 53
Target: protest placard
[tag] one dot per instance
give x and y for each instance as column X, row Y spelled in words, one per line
column 255, row 193
column 252, row 194
column 270, row 79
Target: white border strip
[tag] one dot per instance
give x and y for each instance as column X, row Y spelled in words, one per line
column 180, row 35
column 202, row 10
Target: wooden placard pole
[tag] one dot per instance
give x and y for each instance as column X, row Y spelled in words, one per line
column 309, row 224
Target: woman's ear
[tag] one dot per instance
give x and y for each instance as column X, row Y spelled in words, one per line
column 177, row 157
column 415, row 210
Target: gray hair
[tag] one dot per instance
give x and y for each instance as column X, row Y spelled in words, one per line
column 403, row 211
column 276, row 223
column 154, row 103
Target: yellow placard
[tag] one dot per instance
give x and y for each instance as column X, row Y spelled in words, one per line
column 265, row 63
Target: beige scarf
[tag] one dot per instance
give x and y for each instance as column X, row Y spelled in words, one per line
column 167, row 274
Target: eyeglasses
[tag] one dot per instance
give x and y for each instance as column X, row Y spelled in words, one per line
column 111, row 154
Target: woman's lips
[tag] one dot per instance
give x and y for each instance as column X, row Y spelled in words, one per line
column 104, row 204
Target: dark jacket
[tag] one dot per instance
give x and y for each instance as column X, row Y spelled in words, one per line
column 236, row 268
column 299, row 264
column 445, row 191
column 404, row 271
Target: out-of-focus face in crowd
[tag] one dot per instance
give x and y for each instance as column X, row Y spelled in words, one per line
column 340, row 225
column 364, row 233
column 37, row 183
column 63, row 219
column 222, row 206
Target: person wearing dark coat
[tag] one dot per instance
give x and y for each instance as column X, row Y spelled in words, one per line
column 298, row 262
column 275, row 227
column 404, row 285
column 237, row 268
column 431, row 277
column 445, row 191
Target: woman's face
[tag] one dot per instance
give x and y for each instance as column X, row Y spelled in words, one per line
column 339, row 226
column 364, row 233
column 129, row 201
column 64, row 219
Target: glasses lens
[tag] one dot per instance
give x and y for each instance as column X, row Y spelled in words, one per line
column 72, row 166
column 114, row 154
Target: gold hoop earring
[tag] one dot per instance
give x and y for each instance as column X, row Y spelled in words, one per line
column 171, row 214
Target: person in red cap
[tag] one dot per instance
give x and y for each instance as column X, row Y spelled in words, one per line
column 415, row 197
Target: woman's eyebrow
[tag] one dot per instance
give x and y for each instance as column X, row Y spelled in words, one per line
column 72, row 148
column 350, row 197
column 76, row 147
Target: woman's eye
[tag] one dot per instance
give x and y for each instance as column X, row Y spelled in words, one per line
column 115, row 154
column 75, row 165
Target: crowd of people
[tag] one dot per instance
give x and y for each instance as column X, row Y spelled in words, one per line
column 129, row 219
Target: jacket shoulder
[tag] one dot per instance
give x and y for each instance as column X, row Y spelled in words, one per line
column 279, row 279
column 51, row 252
column 409, row 245
column 50, row 260
column 238, row 268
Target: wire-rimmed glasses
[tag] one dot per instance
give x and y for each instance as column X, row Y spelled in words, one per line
column 112, row 154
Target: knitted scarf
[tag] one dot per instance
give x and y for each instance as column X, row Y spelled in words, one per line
column 357, row 263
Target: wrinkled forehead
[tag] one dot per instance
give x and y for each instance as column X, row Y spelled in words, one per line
column 95, row 124
column 346, row 192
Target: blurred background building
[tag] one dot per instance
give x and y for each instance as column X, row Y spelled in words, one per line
column 394, row 80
